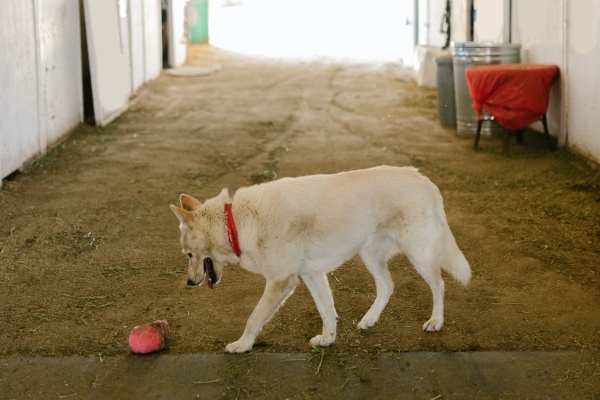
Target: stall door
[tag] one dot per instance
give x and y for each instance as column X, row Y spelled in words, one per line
column 19, row 126
column 177, row 32
column 108, row 44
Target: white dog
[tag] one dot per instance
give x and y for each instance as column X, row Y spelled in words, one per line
column 303, row 228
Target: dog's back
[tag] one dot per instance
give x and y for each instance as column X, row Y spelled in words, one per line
column 398, row 208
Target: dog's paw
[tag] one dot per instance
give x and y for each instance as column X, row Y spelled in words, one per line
column 238, row 347
column 366, row 323
column 322, row 341
column 433, row 325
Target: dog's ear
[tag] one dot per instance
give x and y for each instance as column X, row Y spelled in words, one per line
column 184, row 216
column 224, row 195
column 188, row 202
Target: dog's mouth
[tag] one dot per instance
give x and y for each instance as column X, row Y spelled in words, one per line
column 209, row 273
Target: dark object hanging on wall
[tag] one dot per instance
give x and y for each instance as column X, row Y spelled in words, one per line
column 445, row 28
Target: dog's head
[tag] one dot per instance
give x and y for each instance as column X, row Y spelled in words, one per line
column 201, row 231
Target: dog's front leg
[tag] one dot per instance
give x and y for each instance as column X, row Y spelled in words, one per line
column 276, row 292
column 318, row 285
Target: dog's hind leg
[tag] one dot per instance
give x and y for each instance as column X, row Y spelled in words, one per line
column 276, row 292
column 429, row 267
column 318, row 285
column 437, row 315
column 377, row 266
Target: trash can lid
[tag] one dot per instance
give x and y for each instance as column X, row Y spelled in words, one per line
column 470, row 48
column 444, row 59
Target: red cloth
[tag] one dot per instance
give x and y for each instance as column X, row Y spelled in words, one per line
column 516, row 95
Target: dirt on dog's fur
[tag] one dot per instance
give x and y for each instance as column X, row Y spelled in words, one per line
column 89, row 247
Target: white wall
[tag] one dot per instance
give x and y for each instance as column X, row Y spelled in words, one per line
column 423, row 22
column 430, row 13
column 491, row 21
column 177, row 33
column 136, row 34
column 60, row 66
column 437, row 9
column 41, row 99
column 460, row 20
column 152, row 39
column 145, row 41
column 40, row 77
column 583, row 85
column 19, row 126
column 108, row 49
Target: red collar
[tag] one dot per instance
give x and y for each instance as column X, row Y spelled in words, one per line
column 231, row 231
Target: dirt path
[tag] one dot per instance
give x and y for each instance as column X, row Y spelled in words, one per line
column 89, row 247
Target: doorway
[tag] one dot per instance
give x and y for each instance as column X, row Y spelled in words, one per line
column 88, row 99
column 369, row 30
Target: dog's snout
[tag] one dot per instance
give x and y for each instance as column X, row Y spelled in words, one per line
column 191, row 282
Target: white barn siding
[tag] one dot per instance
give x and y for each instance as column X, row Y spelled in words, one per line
column 108, row 49
column 460, row 19
column 60, row 68
column 437, row 9
column 492, row 21
column 41, row 97
column 40, row 77
column 146, row 41
column 136, row 35
column 152, row 39
column 19, row 125
column 177, row 33
column 583, row 60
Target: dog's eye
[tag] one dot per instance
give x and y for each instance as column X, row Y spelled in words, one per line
column 190, row 255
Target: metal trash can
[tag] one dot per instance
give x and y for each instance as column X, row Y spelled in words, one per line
column 467, row 54
column 445, row 91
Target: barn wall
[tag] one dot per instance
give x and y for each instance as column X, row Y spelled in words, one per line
column 430, row 14
column 18, row 80
column 437, row 9
column 492, row 21
column 145, row 41
column 41, row 73
column 177, row 33
column 460, row 20
column 41, row 79
column 60, row 68
column 152, row 27
column 583, row 59
column 136, row 35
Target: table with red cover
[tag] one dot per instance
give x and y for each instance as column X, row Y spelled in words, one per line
column 516, row 95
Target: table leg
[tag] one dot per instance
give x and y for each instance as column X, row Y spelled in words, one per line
column 477, row 134
column 546, row 133
column 519, row 135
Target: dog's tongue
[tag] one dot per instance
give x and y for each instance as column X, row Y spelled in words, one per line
column 209, row 273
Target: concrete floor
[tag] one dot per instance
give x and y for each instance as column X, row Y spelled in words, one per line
column 471, row 375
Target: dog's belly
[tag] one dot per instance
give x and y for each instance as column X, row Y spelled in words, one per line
column 325, row 263
column 302, row 256
column 334, row 252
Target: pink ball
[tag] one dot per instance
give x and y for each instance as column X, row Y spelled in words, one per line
column 165, row 327
column 148, row 338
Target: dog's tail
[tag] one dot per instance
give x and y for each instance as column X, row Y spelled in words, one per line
column 455, row 263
